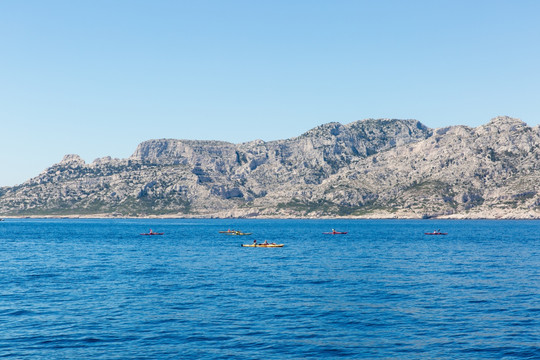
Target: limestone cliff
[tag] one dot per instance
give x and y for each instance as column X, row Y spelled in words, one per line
column 369, row 168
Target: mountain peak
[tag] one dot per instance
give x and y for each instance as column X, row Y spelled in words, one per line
column 72, row 159
column 506, row 123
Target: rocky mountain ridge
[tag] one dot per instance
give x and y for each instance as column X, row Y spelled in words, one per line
column 370, row 168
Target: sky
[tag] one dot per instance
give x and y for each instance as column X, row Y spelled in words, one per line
column 98, row 77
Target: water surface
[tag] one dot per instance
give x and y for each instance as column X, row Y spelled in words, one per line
column 74, row 289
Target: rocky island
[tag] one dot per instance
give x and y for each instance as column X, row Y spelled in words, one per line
column 375, row 168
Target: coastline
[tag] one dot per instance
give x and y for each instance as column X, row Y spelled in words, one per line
column 498, row 214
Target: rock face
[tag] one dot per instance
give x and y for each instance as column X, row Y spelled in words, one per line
column 369, row 168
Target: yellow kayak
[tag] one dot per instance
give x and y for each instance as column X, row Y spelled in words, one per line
column 262, row 245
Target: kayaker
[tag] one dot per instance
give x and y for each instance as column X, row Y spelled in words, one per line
column 265, row 242
column 254, row 242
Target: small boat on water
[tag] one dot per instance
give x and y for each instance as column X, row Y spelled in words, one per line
column 152, row 233
column 334, row 232
column 435, row 233
column 272, row 245
column 237, row 233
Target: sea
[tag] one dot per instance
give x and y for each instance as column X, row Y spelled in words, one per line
column 97, row 289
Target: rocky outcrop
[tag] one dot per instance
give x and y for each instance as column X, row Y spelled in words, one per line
column 369, row 168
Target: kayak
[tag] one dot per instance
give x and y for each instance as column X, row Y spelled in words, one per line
column 238, row 233
column 262, row 245
column 335, row 233
column 435, row 233
column 227, row 232
column 152, row 233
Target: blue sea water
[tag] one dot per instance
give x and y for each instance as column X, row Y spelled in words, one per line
column 96, row 289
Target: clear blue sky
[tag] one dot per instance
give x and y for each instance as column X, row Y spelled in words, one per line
column 97, row 77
